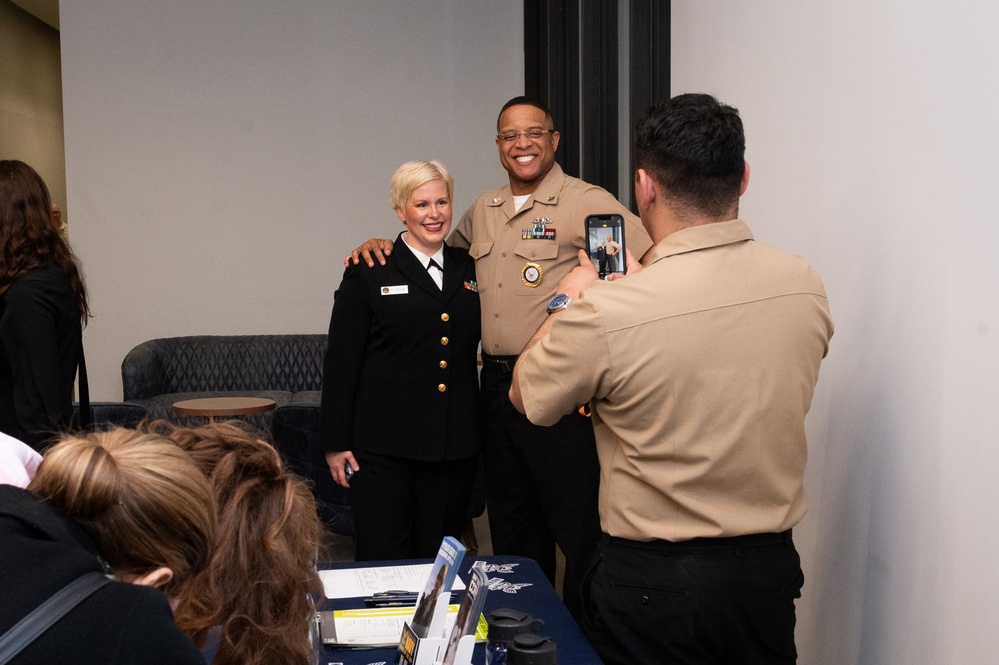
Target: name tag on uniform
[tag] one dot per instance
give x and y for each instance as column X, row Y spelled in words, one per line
column 399, row 290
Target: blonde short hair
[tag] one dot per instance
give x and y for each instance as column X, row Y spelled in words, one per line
column 411, row 175
column 140, row 497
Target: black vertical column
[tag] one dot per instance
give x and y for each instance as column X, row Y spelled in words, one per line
column 551, row 64
column 598, row 53
column 648, row 62
column 571, row 63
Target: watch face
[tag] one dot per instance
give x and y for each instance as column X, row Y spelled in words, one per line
column 558, row 302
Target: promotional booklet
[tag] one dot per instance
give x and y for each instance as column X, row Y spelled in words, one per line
column 428, row 628
column 469, row 612
column 440, row 580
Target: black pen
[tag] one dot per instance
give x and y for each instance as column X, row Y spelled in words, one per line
column 397, row 599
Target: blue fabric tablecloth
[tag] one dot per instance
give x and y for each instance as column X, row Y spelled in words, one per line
column 514, row 582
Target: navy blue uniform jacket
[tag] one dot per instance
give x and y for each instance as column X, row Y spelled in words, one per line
column 400, row 376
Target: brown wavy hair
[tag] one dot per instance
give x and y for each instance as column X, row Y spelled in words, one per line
column 29, row 239
column 139, row 496
column 261, row 586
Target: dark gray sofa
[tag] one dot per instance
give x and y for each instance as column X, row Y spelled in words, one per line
column 285, row 368
column 105, row 415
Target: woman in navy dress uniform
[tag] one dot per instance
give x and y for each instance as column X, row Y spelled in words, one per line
column 400, row 409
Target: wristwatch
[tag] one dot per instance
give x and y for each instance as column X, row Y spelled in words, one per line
column 558, row 301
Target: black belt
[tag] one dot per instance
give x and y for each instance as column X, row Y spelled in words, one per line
column 499, row 364
column 704, row 544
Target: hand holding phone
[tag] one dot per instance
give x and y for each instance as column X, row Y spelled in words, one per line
column 341, row 464
column 605, row 243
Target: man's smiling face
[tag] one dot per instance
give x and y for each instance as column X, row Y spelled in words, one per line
column 526, row 160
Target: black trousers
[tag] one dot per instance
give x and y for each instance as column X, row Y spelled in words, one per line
column 719, row 601
column 403, row 508
column 541, row 486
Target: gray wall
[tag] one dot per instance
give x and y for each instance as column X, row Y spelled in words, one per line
column 222, row 157
column 872, row 135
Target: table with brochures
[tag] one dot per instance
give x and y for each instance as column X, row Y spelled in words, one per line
column 514, row 582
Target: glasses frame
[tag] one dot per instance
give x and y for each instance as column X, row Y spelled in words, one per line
column 507, row 137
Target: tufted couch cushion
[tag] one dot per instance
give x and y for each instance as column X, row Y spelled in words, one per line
column 285, row 368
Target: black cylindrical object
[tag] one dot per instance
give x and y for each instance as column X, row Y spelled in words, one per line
column 531, row 649
column 504, row 625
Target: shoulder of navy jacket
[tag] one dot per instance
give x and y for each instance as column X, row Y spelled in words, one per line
column 494, row 201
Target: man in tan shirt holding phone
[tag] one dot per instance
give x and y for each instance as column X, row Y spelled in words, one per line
column 700, row 368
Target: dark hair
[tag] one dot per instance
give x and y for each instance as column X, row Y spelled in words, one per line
column 694, row 147
column 29, row 240
column 524, row 100
column 261, row 586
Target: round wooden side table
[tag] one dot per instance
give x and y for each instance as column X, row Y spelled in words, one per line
column 213, row 407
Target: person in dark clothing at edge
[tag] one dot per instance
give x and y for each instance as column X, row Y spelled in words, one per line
column 129, row 505
column 43, row 306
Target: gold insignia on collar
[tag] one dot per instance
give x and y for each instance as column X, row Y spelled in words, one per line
column 532, row 274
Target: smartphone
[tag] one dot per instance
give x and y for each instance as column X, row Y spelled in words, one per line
column 605, row 243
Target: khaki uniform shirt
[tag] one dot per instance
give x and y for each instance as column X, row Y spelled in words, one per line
column 517, row 276
column 701, row 369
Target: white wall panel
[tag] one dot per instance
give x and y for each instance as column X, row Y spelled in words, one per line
column 872, row 135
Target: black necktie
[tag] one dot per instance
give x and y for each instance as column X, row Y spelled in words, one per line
column 434, row 264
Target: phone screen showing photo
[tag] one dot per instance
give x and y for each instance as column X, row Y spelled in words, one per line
column 605, row 243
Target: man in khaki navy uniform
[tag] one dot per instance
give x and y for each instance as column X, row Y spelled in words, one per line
column 541, row 482
column 700, row 368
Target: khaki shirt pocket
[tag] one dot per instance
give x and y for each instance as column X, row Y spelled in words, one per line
column 537, row 250
column 480, row 248
column 485, row 269
column 544, row 255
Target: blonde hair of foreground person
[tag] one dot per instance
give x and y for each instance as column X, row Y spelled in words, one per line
column 139, row 496
column 411, row 175
column 261, row 588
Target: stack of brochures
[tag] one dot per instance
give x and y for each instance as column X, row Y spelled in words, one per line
column 469, row 617
column 394, row 596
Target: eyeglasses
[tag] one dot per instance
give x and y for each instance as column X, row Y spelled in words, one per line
column 532, row 134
